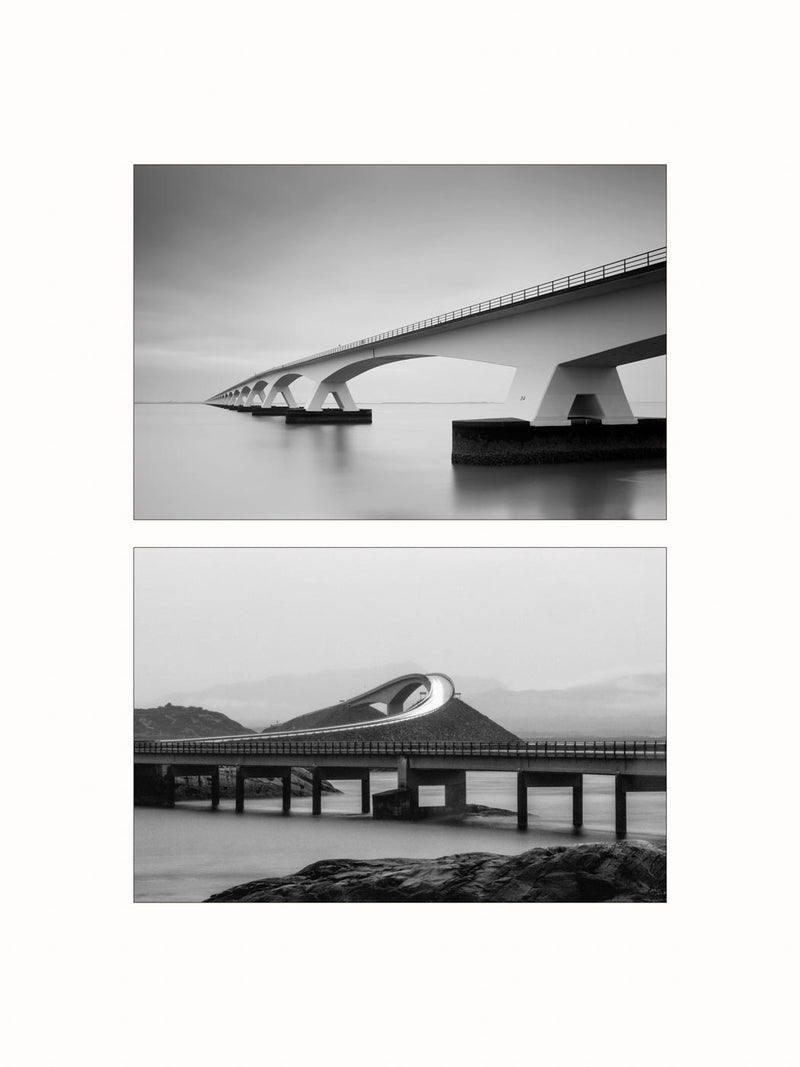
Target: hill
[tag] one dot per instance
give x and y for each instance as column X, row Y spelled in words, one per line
column 278, row 698
column 335, row 715
column 456, row 721
column 175, row 721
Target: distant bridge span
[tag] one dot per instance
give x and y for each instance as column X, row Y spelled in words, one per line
column 565, row 338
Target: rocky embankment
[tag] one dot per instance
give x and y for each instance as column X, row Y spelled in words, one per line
column 200, row 788
column 624, row 871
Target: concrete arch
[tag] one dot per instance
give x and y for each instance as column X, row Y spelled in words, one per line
column 563, row 339
column 282, row 387
column 258, row 390
column 334, row 383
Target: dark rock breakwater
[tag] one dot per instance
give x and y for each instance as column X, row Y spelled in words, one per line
column 619, row 872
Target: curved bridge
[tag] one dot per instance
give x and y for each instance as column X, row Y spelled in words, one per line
column 437, row 690
column 565, row 338
column 637, row 765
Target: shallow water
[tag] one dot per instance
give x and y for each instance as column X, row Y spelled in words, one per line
column 190, row 852
column 199, row 462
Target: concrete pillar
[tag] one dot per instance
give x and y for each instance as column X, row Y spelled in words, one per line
column 620, row 806
column 455, row 793
column 286, row 794
column 365, row 794
column 522, row 801
column 341, row 394
column 215, row 788
column 577, row 804
column 170, row 780
column 316, row 793
column 240, row 779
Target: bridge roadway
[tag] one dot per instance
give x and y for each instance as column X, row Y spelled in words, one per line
column 636, row 765
column 565, row 338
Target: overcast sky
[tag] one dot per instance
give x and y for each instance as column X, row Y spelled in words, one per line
column 241, row 268
column 531, row 618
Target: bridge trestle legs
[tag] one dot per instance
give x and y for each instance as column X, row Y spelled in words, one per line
column 284, row 773
column 339, row 774
column 543, row 779
column 632, row 783
column 409, row 780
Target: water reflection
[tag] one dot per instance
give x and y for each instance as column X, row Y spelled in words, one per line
column 196, row 462
column 563, row 491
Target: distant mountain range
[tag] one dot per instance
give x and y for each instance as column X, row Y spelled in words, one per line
column 633, row 705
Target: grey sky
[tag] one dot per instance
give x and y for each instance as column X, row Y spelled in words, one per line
column 529, row 617
column 240, row 268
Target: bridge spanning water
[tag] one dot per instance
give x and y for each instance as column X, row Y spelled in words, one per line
column 565, row 338
column 636, row 765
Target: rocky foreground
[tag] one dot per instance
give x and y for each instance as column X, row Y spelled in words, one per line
column 624, row 871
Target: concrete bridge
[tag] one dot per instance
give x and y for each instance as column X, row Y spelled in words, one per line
column 565, row 339
column 636, row 765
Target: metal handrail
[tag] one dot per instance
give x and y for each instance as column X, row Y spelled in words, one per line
column 603, row 749
column 569, row 281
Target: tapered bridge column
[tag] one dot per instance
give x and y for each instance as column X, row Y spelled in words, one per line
column 340, row 393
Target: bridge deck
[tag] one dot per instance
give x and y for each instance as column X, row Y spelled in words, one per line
column 586, row 757
column 642, row 264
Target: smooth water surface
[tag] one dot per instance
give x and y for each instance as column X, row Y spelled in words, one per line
column 200, row 462
column 190, row 852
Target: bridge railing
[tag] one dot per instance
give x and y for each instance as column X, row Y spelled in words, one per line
column 590, row 749
column 641, row 261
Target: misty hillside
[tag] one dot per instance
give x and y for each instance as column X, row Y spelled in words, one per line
column 175, row 721
column 633, row 706
column 336, row 715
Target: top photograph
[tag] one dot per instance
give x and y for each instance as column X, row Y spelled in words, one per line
column 400, row 342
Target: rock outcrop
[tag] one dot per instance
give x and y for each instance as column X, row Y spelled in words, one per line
column 624, row 871
column 200, row 788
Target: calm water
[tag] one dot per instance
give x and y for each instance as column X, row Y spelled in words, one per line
column 198, row 462
column 190, row 852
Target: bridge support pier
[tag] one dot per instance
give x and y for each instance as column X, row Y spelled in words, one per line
column 170, row 780
column 632, row 783
column 284, row 773
column 357, row 774
column 410, row 779
column 544, row 779
column 514, row 442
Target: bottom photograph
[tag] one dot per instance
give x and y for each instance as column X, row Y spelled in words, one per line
column 400, row 725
